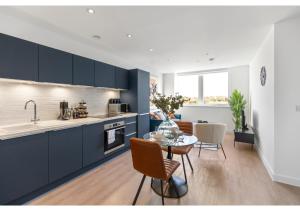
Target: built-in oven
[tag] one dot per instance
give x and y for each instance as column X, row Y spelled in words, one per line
column 114, row 136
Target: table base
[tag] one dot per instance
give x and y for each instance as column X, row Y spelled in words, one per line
column 175, row 183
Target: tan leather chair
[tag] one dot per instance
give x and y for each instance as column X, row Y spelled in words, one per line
column 210, row 133
column 147, row 158
column 187, row 128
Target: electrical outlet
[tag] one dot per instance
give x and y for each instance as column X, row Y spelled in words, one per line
column 297, row 108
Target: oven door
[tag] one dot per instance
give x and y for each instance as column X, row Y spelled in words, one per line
column 114, row 139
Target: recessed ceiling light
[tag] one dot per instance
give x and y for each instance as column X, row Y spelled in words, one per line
column 96, row 37
column 90, row 11
column 129, row 35
column 151, row 49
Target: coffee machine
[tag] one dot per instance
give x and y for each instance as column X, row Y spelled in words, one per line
column 65, row 112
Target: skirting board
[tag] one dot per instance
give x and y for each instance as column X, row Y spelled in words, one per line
column 276, row 177
column 287, row 180
column 265, row 162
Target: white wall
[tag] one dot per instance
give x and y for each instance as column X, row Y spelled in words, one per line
column 287, row 96
column 238, row 78
column 13, row 96
column 262, row 101
column 208, row 113
column 168, row 83
column 273, row 106
column 159, row 79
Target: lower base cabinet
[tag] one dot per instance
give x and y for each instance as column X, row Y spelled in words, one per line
column 93, row 143
column 143, row 125
column 23, row 166
column 65, row 152
column 128, row 137
column 32, row 162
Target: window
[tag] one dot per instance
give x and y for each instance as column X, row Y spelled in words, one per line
column 206, row 88
column 187, row 86
column 215, row 88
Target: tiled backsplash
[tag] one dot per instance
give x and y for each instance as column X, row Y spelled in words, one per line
column 13, row 96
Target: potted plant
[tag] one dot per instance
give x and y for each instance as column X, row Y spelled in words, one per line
column 237, row 104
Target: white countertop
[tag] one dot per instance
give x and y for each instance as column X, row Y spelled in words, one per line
column 25, row 129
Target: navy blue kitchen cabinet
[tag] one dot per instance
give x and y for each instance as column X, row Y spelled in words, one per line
column 65, row 152
column 130, row 130
column 24, row 166
column 83, row 71
column 138, row 93
column 55, row 66
column 143, row 125
column 137, row 96
column 18, row 58
column 121, row 78
column 127, row 139
column 143, row 92
column 93, row 143
column 104, row 75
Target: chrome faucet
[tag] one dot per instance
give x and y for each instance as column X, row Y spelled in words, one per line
column 35, row 119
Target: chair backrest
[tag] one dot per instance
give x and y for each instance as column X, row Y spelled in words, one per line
column 147, row 158
column 210, row 132
column 186, row 127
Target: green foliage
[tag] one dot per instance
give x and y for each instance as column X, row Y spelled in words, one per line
column 237, row 104
column 168, row 104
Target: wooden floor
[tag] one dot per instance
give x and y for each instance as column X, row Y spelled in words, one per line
column 240, row 179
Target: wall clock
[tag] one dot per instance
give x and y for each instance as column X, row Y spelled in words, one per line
column 263, row 75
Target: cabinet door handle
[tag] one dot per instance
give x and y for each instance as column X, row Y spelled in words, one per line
column 130, row 123
column 130, row 134
column 143, row 114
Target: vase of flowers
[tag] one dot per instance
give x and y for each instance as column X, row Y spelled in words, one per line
column 168, row 105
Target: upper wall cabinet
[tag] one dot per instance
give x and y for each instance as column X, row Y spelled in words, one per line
column 138, row 93
column 104, row 75
column 54, row 66
column 18, row 58
column 83, row 71
column 121, row 78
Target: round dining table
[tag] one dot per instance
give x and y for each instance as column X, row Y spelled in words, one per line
column 177, row 186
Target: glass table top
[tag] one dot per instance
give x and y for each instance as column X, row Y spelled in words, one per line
column 183, row 140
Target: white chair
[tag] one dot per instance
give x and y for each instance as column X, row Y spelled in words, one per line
column 210, row 133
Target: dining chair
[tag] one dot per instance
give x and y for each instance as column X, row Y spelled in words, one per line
column 147, row 158
column 187, row 128
column 210, row 133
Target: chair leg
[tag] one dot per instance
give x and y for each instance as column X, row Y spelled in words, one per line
column 200, row 149
column 223, row 151
column 139, row 190
column 162, row 192
column 187, row 156
column 183, row 168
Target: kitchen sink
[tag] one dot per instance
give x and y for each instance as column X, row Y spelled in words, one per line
column 21, row 127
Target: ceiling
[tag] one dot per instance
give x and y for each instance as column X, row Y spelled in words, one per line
column 183, row 38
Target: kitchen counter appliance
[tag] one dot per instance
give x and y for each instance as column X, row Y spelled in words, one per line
column 114, row 136
column 65, row 112
column 124, row 107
